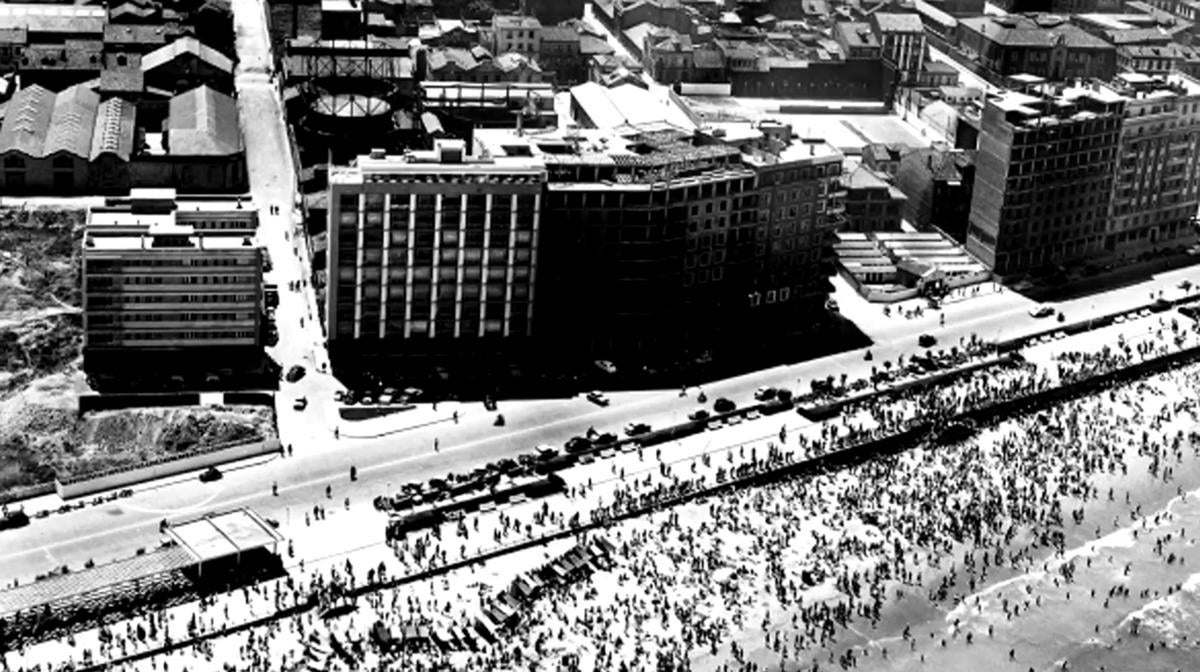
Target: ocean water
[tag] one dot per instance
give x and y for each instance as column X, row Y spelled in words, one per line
column 1125, row 608
column 1122, row 596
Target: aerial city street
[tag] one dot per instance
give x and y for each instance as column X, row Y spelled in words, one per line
column 731, row 335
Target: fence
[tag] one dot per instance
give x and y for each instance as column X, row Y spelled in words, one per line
column 111, row 402
column 87, row 484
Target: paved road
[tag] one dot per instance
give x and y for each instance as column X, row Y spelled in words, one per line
column 116, row 530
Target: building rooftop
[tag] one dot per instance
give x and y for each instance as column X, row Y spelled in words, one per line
column 184, row 46
column 221, row 535
column 628, row 105
column 1040, row 30
column 203, row 122
column 856, row 33
column 54, row 18
column 863, row 177
column 559, row 34
column 514, row 21
column 896, row 22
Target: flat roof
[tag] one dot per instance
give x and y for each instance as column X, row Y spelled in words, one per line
column 220, row 535
column 64, row 588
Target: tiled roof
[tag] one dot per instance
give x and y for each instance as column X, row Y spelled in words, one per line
column 590, row 45
column 1154, row 35
column 186, row 45
column 114, row 129
column 463, row 59
column 125, row 80
column 559, row 34
column 203, row 122
column 864, row 178
column 115, row 33
column 1032, row 31
column 513, row 61
column 27, row 121
column 73, row 122
column 515, row 21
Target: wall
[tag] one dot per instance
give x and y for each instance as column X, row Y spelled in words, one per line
column 87, row 485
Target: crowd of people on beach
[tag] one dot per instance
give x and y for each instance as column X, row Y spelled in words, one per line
column 801, row 559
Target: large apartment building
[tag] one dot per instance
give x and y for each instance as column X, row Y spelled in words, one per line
column 1157, row 187
column 1044, row 176
column 172, row 285
column 431, row 252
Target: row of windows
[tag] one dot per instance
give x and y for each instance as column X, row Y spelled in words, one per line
column 126, row 338
column 129, row 264
column 136, row 316
column 119, row 299
column 121, row 280
column 439, row 328
column 424, row 291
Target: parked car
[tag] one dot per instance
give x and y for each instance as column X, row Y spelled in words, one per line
column 209, row 475
column 765, row 393
column 578, row 444
column 606, row 366
column 698, row 415
column 300, row 403
column 636, row 428
column 926, row 341
column 724, row 405
column 1041, row 311
column 294, row 374
column 598, row 398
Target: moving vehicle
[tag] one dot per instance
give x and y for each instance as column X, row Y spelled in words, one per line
column 765, row 393
column 209, row 475
column 598, row 398
column 926, row 341
column 606, row 366
column 1041, row 311
column 698, row 415
column 300, row 403
column 294, row 374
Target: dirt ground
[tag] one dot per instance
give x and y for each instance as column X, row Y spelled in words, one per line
column 41, row 340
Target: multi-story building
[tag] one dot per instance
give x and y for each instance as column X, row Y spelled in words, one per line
column 938, row 182
column 1157, row 187
column 872, row 203
column 1042, row 45
column 432, row 253
column 801, row 204
column 172, row 285
column 1043, row 177
column 857, row 40
column 561, row 56
column 653, row 253
column 522, row 34
column 902, row 38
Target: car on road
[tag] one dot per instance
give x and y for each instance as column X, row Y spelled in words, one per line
column 715, row 425
column 926, row 341
column 636, row 429
column 753, row 415
column 765, row 393
column 724, row 405
column 606, row 366
column 339, row 395
column 209, row 475
column 294, row 374
column 1041, row 311
column 489, row 403
column 598, row 398
column 578, row 444
column 300, row 403
column 699, row 415
column 832, row 306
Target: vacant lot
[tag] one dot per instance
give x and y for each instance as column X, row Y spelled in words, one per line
column 42, row 437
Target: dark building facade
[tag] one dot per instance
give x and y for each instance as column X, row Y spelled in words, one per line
column 1044, row 175
column 938, row 182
